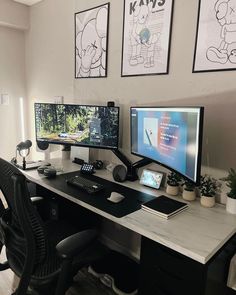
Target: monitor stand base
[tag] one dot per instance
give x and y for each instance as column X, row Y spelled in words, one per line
column 66, row 149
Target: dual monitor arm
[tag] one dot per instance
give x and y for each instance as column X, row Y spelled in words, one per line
column 131, row 168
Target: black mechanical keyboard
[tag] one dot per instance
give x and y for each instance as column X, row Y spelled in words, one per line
column 85, row 184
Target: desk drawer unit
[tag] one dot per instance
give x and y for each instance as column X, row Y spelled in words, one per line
column 167, row 272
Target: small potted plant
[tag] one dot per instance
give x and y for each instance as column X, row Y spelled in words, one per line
column 189, row 192
column 209, row 186
column 231, row 196
column 173, row 180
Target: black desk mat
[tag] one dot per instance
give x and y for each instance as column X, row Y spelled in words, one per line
column 132, row 201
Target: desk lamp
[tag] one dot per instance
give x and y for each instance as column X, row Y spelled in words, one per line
column 23, row 148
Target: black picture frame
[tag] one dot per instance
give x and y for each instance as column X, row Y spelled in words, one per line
column 146, row 43
column 91, row 42
column 215, row 41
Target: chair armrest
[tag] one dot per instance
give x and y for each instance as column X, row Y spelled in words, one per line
column 35, row 200
column 4, row 266
column 75, row 244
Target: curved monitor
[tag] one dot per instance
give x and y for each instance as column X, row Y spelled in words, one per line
column 78, row 125
column 170, row 136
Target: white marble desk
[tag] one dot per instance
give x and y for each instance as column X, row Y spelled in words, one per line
column 197, row 233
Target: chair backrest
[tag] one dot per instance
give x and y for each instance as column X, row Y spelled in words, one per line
column 22, row 226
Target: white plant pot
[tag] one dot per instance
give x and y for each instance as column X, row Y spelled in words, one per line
column 207, row 201
column 189, row 195
column 172, row 190
column 231, row 205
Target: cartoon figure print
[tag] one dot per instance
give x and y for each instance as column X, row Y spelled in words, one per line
column 226, row 16
column 91, row 46
column 141, row 37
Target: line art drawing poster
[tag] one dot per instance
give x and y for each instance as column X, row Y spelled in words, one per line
column 146, row 37
column 91, row 42
column 215, row 48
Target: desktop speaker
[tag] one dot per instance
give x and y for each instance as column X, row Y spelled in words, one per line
column 42, row 145
column 119, row 173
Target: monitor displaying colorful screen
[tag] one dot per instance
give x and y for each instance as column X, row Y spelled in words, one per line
column 170, row 136
column 83, row 125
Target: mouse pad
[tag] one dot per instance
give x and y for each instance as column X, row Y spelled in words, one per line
column 132, row 201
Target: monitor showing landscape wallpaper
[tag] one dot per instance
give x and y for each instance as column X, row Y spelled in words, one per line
column 92, row 126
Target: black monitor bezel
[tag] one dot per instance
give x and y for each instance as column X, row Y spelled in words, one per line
column 79, row 145
column 200, row 139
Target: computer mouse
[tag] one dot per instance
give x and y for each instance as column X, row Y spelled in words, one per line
column 115, row 197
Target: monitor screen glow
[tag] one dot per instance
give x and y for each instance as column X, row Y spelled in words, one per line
column 170, row 136
column 82, row 125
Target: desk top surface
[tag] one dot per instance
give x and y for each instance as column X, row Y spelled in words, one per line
column 197, row 232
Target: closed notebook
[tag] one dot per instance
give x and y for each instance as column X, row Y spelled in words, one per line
column 164, row 206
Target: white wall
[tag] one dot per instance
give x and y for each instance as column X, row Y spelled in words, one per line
column 14, row 19
column 50, row 72
column 12, row 82
column 14, row 15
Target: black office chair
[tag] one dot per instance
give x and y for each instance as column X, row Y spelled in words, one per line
column 45, row 256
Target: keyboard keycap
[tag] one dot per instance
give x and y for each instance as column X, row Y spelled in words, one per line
column 85, row 184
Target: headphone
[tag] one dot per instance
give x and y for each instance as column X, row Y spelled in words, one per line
column 47, row 171
column 98, row 164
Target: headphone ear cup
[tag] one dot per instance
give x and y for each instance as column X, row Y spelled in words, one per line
column 50, row 172
column 41, row 169
column 119, row 173
column 98, row 164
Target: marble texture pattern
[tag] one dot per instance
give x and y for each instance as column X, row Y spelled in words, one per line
column 197, row 232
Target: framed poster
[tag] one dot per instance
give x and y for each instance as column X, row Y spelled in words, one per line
column 91, row 42
column 146, row 37
column 215, row 48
